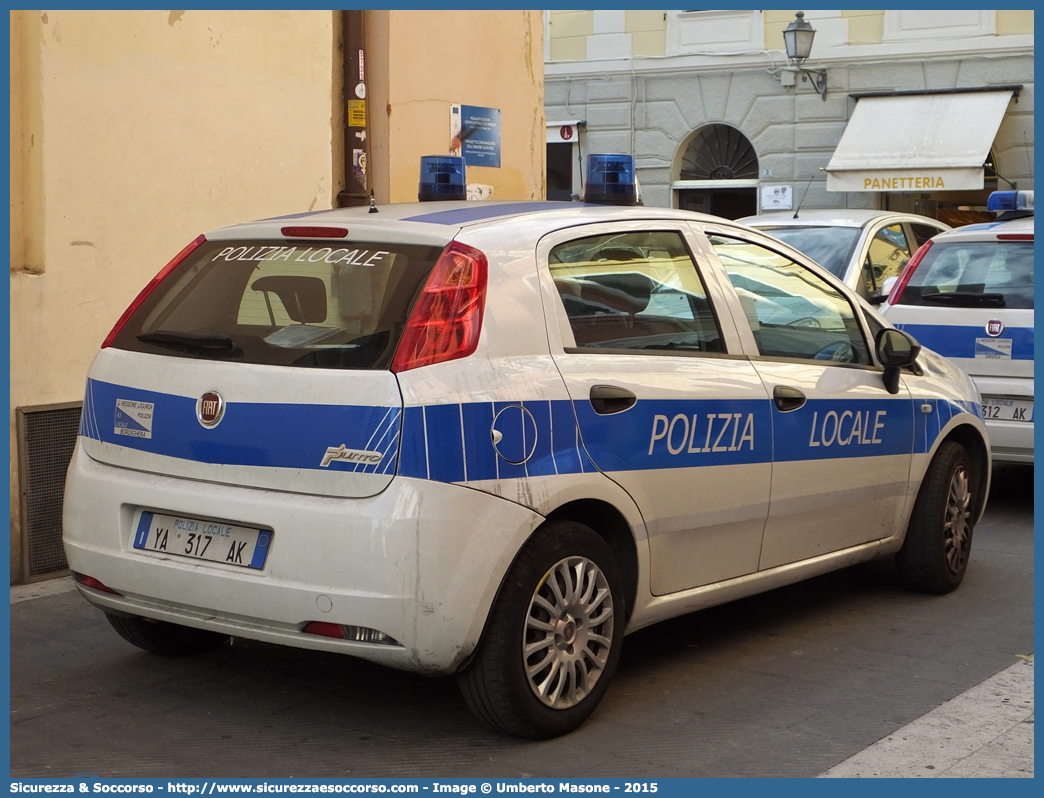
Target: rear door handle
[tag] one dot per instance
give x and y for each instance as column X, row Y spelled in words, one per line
column 787, row 398
column 609, row 399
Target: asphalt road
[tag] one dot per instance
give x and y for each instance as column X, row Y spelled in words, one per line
column 786, row 684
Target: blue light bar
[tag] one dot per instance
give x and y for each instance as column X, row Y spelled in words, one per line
column 610, row 180
column 1001, row 201
column 442, row 178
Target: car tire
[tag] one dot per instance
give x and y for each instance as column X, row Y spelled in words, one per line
column 165, row 639
column 562, row 600
column 934, row 556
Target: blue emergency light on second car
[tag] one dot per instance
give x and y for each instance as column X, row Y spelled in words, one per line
column 1007, row 201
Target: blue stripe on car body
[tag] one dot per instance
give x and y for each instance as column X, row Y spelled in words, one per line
column 959, row 340
column 452, row 442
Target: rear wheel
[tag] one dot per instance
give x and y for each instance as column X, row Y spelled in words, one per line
column 165, row 639
column 553, row 638
column 934, row 556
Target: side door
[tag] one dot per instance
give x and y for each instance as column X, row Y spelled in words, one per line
column 667, row 404
column 842, row 445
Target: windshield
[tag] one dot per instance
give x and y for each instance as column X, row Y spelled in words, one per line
column 830, row 247
column 339, row 305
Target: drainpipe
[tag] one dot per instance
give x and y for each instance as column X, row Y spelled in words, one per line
column 357, row 180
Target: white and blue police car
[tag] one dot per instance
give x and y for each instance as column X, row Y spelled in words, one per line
column 968, row 294
column 491, row 438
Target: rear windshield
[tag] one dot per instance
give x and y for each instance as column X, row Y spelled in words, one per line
column 337, row 305
column 973, row 274
column 830, row 247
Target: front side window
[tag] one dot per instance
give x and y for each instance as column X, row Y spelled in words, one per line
column 792, row 312
column 634, row 291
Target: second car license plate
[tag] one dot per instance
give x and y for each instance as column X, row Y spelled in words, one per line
column 995, row 409
column 243, row 547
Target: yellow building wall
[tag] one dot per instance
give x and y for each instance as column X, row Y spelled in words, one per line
column 131, row 133
column 569, row 32
column 865, row 27
column 1011, row 23
column 424, row 61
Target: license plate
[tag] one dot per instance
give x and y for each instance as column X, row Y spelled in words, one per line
column 994, row 409
column 243, row 547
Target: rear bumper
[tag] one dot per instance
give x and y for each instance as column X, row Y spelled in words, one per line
column 1010, row 441
column 421, row 561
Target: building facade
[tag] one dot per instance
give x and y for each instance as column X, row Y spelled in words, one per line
column 888, row 108
column 134, row 131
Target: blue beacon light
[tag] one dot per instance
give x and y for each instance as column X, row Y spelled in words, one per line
column 442, row 178
column 1001, row 201
column 610, row 180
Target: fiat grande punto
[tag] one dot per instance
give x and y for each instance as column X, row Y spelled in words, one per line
column 492, row 438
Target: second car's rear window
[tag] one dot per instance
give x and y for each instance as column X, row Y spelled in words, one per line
column 973, row 274
column 321, row 304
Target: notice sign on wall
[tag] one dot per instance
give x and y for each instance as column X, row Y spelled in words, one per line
column 777, row 198
column 475, row 134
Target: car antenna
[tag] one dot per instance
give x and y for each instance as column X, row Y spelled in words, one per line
column 807, row 185
column 373, row 203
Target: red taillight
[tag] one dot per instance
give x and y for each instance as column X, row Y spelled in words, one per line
column 447, row 318
column 1015, row 236
column 908, row 271
column 315, row 232
column 150, row 288
column 325, row 629
column 90, row 581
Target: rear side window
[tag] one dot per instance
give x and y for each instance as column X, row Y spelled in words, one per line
column 338, row 305
column 634, row 291
column 973, row 274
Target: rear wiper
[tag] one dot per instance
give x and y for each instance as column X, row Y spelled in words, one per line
column 212, row 343
column 966, row 299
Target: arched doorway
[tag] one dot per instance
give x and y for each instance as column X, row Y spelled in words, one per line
column 718, row 173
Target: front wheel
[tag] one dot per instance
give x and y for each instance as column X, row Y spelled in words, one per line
column 934, row 556
column 553, row 638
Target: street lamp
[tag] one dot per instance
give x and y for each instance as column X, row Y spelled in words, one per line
column 798, row 38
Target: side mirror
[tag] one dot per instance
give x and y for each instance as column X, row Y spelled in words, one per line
column 895, row 351
column 888, row 285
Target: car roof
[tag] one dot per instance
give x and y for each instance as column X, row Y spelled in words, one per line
column 837, row 217
column 434, row 222
column 988, row 231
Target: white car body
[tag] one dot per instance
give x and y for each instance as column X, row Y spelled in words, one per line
column 880, row 242
column 992, row 344
column 705, row 491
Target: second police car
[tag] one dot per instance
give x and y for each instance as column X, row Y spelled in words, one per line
column 968, row 294
column 491, row 439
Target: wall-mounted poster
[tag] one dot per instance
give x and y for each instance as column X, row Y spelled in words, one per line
column 475, row 134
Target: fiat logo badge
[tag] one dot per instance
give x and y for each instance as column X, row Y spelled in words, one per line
column 210, row 407
column 994, row 327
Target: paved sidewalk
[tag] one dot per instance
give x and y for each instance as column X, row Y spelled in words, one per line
column 986, row 732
